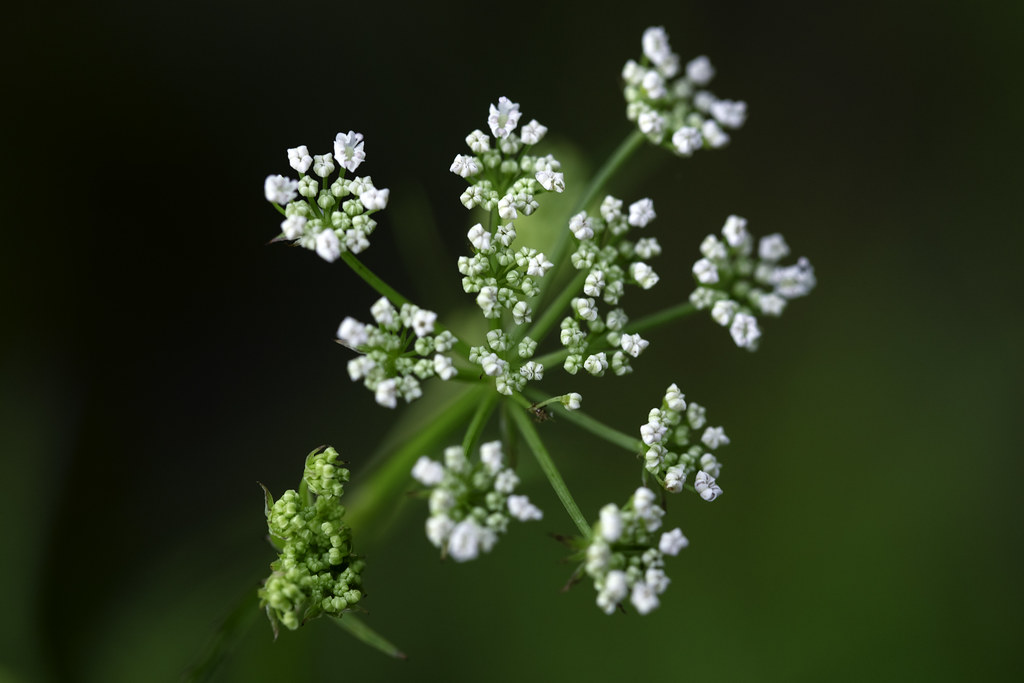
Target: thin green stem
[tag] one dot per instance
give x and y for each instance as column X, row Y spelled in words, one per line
column 388, row 291
column 547, row 465
column 358, row 628
column 614, row 436
column 480, row 418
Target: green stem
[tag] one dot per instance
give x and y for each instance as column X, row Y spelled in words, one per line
column 392, row 295
column 547, row 465
column 360, row 630
column 380, row 489
column 614, row 436
column 483, row 413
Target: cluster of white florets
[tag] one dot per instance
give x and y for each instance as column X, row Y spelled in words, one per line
column 679, row 442
column 737, row 285
column 610, row 262
column 626, row 556
column 508, row 363
column 504, row 176
column 471, row 503
column 324, row 220
column 669, row 103
column 398, row 352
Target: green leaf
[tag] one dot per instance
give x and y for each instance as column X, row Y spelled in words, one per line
column 360, row 630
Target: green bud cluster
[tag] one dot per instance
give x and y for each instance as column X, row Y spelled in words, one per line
column 316, row 571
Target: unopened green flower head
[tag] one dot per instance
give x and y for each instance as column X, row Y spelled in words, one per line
column 316, row 571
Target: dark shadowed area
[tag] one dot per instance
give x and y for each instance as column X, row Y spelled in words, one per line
column 160, row 358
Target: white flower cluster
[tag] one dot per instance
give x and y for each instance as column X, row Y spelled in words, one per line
column 504, row 176
column 471, row 502
column 674, row 450
column 324, row 220
column 736, row 284
column 394, row 362
column 670, row 105
column 610, row 261
column 509, row 364
column 626, row 557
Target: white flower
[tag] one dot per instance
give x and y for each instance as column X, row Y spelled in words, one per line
column 710, row 464
column 323, row 165
column 644, row 598
column 532, row 133
column 596, row 364
column 383, row 312
column 492, row 365
column 702, row 101
column 465, row 165
column 506, row 481
column 479, row 238
column 705, row 271
column 735, row 231
column 687, row 140
column 580, row 226
column 352, row 333
column 538, row 265
column 594, row 283
column 585, row 308
column 611, row 523
column 652, row 432
column 723, row 311
column 532, row 370
column 699, row 70
column 428, row 472
column 443, row 367
column 327, row 245
column 633, row 344
column 478, row 142
column 455, row 459
column 696, row 415
column 299, row 159
column 503, row 118
column 643, row 274
column 651, row 123
column 744, row 331
column 674, row 399
column 675, row 477
column 465, row 540
column 441, row 501
column 730, row 114
column 713, row 133
column 647, row 247
column 386, row 393
column 438, row 529
column 572, row 401
column 348, row 150
column 522, row 509
column 374, row 199
column 714, row 437
column 491, row 456
column 360, row 367
column 423, row 322
column 641, row 212
column 657, row 580
column 654, row 84
column 279, row 189
column 773, row 248
column 551, row 181
column 713, row 248
column 656, row 48
column 672, row 542
column 771, row 304
column 616, row 587
column 293, row 226
column 705, row 485
column 507, row 207
column 487, row 300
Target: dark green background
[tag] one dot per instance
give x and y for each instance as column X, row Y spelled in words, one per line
column 158, row 359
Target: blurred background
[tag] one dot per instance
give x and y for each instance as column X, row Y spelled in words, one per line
column 159, row 358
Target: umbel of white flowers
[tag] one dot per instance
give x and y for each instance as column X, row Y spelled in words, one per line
column 626, row 556
column 471, row 502
column 674, row 452
column 331, row 217
column 736, row 285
